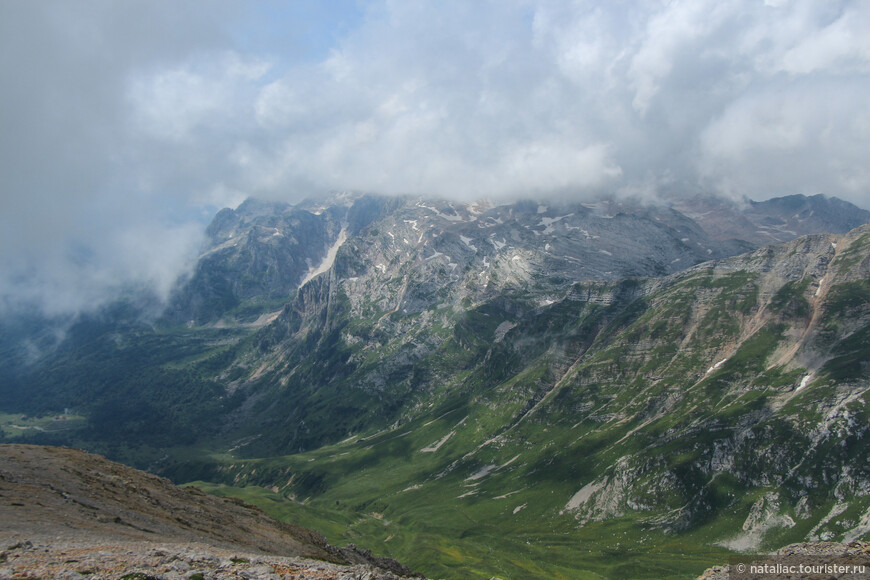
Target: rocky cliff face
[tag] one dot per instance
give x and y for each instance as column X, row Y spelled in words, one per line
column 255, row 257
column 262, row 252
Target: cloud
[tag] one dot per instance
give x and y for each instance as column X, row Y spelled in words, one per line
column 791, row 138
column 502, row 99
column 91, row 270
column 111, row 127
column 209, row 94
column 74, row 183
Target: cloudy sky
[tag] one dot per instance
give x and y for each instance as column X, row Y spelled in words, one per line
column 124, row 125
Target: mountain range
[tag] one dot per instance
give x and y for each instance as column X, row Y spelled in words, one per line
column 617, row 388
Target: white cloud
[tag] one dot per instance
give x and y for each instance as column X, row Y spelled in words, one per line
column 110, row 128
column 841, row 47
column 667, row 35
column 462, row 99
column 171, row 103
column 793, row 139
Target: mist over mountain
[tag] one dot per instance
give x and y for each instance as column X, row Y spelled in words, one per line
column 120, row 145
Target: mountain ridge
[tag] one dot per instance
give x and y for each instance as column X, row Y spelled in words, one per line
column 655, row 226
column 477, row 379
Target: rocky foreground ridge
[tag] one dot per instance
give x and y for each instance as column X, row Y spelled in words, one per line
column 855, row 555
column 67, row 513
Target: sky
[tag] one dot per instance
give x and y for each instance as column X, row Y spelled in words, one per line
column 124, row 126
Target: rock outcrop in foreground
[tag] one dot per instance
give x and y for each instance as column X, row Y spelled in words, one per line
column 68, row 513
column 822, row 560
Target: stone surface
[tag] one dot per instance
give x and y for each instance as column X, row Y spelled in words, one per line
column 67, row 511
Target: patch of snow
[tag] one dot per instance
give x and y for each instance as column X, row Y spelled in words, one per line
column 479, row 206
column 498, row 245
column 542, row 209
column 605, row 252
column 709, row 251
column 451, row 218
column 467, row 242
column 716, row 366
column 684, row 239
column 391, row 235
column 518, row 508
column 503, row 465
column 467, row 493
column 412, row 222
column 507, row 495
column 545, row 221
column 329, row 260
column 381, row 267
column 548, row 222
column 547, row 247
column 435, row 255
column 406, row 241
column 804, row 382
column 819, row 289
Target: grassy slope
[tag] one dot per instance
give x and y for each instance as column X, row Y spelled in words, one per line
column 606, row 390
column 609, row 394
column 450, row 526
